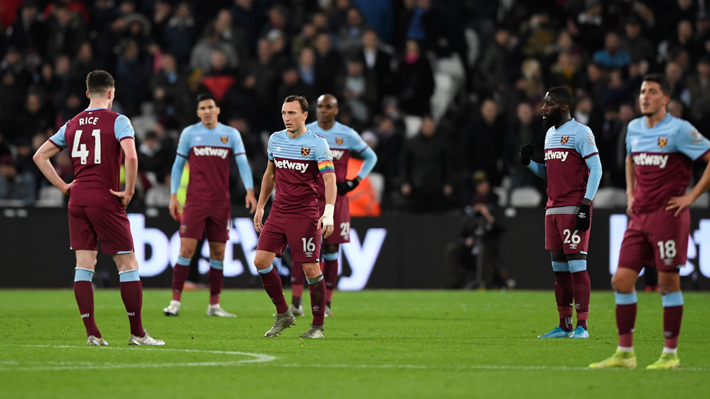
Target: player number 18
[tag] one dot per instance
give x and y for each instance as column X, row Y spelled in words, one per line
column 80, row 151
column 667, row 249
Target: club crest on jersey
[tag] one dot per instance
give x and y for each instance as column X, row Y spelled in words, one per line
column 339, row 140
column 662, row 141
column 224, row 139
column 695, row 137
column 305, row 151
column 564, row 139
column 183, row 228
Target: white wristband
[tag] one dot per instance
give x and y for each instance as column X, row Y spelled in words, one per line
column 328, row 211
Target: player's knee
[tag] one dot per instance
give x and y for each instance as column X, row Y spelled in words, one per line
column 187, row 252
column 621, row 284
column 668, row 282
column 261, row 262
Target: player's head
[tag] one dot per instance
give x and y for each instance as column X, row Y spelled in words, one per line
column 207, row 110
column 294, row 112
column 327, row 108
column 655, row 94
column 100, row 85
column 558, row 103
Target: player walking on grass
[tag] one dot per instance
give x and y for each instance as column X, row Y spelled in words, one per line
column 573, row 171
column 210, row 147
column 297, row 157
column 660, row 151
column 342, row 141
column 97, row 212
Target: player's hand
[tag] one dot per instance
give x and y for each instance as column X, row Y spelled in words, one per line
column 258, row 217
column 325, row 224
column 251, row 201
column 174, row 207
column 583, row 217
column 526, row 152
column 629, row 205
column 682, row 202
column 125, row 197
column 67, row 188
column 347, row 186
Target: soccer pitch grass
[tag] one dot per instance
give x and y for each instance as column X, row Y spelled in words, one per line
column 380, row 344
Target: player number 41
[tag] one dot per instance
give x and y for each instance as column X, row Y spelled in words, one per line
column 80, row 151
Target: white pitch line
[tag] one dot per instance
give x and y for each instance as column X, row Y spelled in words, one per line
column 261, row 358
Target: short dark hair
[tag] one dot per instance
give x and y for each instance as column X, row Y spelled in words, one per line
column 562, row 95
column 301, row 100
column 204, row 97
column 661, row 80
column 99, row 82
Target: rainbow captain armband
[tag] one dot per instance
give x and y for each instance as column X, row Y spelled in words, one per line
column 326, row 166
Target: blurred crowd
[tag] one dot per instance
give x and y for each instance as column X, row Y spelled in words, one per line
column 441, row 89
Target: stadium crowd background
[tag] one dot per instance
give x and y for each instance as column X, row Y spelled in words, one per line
column 443, row 90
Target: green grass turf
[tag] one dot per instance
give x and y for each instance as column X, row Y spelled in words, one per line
column 380, row 344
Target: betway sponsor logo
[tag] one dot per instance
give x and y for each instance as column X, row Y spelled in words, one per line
column 211, row 152
column 337, row 154
column 286, row 164
column 556, row 155
column 644, row 159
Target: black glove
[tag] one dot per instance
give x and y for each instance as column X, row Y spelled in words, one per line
column 582, row 218
column 347, row 186
column 526, row 152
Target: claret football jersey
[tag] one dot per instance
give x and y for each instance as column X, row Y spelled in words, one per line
column 299, row 163
column 93, row 139
column 209, row 152
column 566, row 151
column 663, row 157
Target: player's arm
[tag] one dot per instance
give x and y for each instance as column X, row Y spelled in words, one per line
column 248, row 180
column 370, row 160
column 702, row 186
column 131, row 166
column 595, row 177
column 183, row 152
column 42, row 159
column 693, row 145
column 244, row 170
column 268, row 182
column 330, row 193
column 630, row 184
column 526, row 153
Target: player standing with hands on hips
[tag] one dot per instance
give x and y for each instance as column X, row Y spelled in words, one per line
column 342, row 141
column 297, row 157
column 573, row 172
column 97, row 210
column 660, row 151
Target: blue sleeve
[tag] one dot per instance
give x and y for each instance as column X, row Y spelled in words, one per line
column 238, row 144
column 691, row 143
column 58, row 139
column 370, row 160
column 585, row 143
column 183, row 149
column 626, row 139
column 269, row 150
column 356, row 143
column 539, row 169
column 323, row 151
column 595, row 176
column 245, row 171
column 176, row 174
column 123, row 129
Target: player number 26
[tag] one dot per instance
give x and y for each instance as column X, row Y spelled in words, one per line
column 80, row 151
column 575, row 239
column 308, row 246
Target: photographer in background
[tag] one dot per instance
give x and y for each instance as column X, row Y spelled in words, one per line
column 478, row 243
